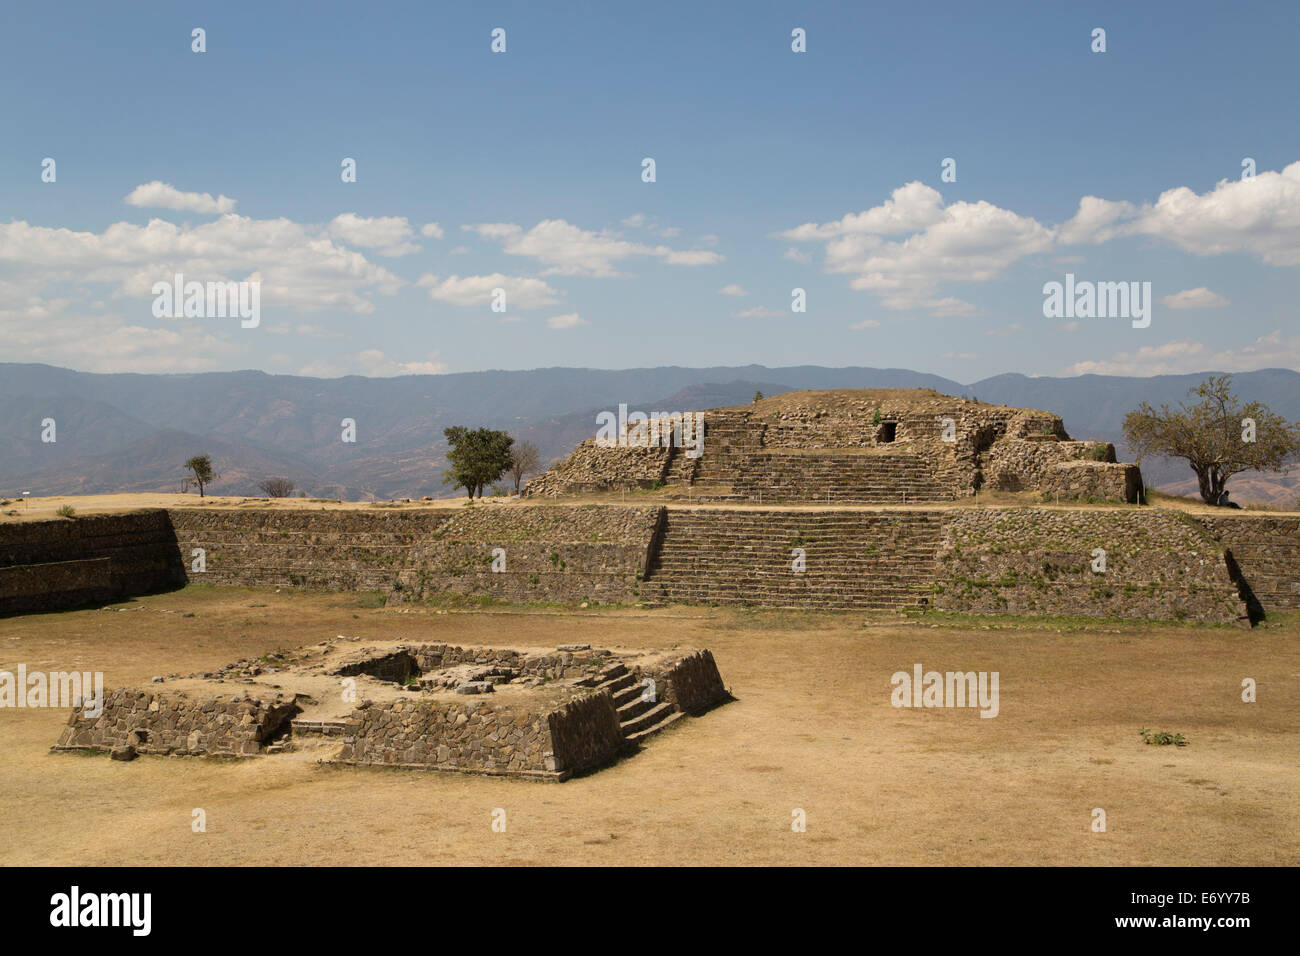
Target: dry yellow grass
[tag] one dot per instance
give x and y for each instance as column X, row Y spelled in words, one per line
column 44, row 509
column 812, row 728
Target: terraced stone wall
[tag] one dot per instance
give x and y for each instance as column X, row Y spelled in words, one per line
column 1157, row 565
column 47, row 565
column 568, row 553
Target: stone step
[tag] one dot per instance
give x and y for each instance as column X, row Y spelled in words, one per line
column 655, row 728
column 317, row 728
column 634, row 708
column 627, row 694
column 619, row 683
column 649, row 718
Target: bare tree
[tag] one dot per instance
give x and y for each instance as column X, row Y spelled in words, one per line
column 524, row 460
column 276, row 487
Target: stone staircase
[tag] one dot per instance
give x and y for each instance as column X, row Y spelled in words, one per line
column 837, row 477
column 727, row 442
column 639, row 718
column 681, row 467
column 855, row 559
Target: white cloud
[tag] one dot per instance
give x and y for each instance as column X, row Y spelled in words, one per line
column 297, row 266
column 309, row 331
column 960, row 242
column 569, row 321
column 431, row 230
column 1259, row 217
column 521, row 292
column 1097, row 220
column 1198, row 298
column 797, row 255
column 160, row 195
column 758, row 312
column 387, row 235
column 1006, row 330
column 1173, row 358
column 641, row 221
column 912, row 208
column 865, row 324
column 948, row 306
column 565, row 249
column 374, row 363
column 732, row 289
column 60, row 332
column 978, row 241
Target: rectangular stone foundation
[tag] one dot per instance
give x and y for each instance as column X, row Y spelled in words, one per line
column 479, row 737
column 163, row 723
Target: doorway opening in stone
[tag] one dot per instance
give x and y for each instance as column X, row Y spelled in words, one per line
column 888, row 431
column 399, row 667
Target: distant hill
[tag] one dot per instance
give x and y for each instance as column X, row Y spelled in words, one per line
column 132, row 432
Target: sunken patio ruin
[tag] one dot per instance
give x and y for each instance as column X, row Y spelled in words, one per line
column 528, row 712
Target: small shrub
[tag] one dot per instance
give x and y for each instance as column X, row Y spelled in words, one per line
column 1162, row 738
column 67, row 511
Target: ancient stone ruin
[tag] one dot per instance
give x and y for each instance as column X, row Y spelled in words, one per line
column 850, row 500
column 544, row 714
column 852, row 446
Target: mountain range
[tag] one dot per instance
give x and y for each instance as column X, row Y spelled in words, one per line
column 132, row 432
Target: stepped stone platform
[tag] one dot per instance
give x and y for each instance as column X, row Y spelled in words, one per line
column 848, row 446
column 528, row 712
column 851, row 559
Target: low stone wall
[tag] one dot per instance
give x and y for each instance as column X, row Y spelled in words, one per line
column 156, row 723
column 693, row 683
column 585, row 733
column 431, row 657
column 1092, row 481
column 85, row 559
column 1158, row 565
column 592, row 467
column 568, row 553
column 562, row 553
column 482, row 737
column 1020, row 464
column 334, row 550
column 61, row 584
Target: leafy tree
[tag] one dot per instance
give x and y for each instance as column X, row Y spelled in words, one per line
column 478, row 457
column 758, row 396
column 276, row 487
column 524, row 460
column 1218, row 436
column 201, row 468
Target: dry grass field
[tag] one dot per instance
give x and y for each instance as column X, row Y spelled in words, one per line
column 46, row 508
column 811, row 727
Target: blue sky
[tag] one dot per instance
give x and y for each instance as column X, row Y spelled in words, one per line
column 529, row 163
